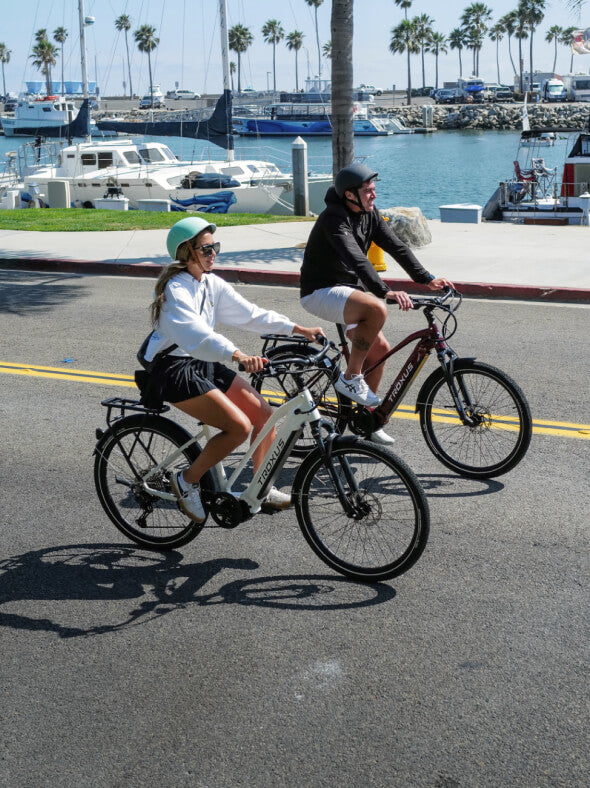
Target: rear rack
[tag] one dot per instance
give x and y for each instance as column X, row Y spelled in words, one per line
column 122, row 404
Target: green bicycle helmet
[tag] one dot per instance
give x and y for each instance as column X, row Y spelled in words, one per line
column 186, row 230
column 351, row 178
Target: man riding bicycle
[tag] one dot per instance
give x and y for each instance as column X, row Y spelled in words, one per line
column 339, row 283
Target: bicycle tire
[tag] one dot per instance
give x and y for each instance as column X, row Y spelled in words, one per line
column 331, row 404
column 384, row 541
column 502, row 433
column 147, row 520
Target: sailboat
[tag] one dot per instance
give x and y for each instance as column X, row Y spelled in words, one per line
column 260, row 176
column 150, row 177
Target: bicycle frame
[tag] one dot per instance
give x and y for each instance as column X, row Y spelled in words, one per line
column 427, row 340
column 297, row 412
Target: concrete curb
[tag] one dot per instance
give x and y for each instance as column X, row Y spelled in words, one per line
column 291, row 279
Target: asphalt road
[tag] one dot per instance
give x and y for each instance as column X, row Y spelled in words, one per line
column 242, row 660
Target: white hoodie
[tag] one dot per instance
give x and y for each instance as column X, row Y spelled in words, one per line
column 191, row 310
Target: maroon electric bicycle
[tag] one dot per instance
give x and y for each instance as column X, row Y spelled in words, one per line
column 474, row 417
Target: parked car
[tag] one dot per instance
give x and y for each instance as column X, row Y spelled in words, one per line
column 504, row 93
column 185, row 94
column 146, row 102
column 445, row 96
column 489, row 91
column 368, row 89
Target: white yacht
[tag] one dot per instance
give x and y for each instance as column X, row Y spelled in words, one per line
column 33, row 116
column 150, row 171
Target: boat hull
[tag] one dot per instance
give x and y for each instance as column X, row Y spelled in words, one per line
column 272, row 128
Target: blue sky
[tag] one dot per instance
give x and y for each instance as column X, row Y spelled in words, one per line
column 188, row 53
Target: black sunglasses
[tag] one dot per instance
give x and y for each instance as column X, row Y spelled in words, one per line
column 208, row 249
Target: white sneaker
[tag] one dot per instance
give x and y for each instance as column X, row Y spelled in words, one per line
column 380, row 436
column 189, row 498
column 277, row 499
column 357, row 390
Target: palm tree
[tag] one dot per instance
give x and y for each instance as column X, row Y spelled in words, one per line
column 520, row 31
column 239, row 39
column 474, row 19
column 327, row 50
column 315, row 4
column 423, row 28
column 294, row 43
column 60, row 34
column 404, row 39
column 496, row 33
column 457, row 40
column 341, row 25
column 554, row 35
column 273, row 33
column 508, row 22
column 124, row 23
column 566, row 39
column 43, row 57
column 4, row 58
column 232, row 71
column 405, row 4
column 533, row 11
column 147, row 41
column 437, row 44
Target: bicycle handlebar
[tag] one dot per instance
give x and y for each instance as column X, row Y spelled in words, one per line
column 272, row 367
column 418, row 302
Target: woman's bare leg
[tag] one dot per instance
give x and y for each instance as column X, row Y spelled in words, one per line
column 258, row 411
column 217, row 410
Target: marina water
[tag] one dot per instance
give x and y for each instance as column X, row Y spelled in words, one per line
column 422, row 170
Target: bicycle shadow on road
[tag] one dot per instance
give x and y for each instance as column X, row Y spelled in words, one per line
column 154, row 584
column 437, row 485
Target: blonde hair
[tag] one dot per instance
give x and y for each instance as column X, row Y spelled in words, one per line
column 168, row 273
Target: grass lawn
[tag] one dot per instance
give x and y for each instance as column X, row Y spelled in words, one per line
column 53, row 220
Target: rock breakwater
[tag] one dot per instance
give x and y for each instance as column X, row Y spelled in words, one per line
column 572, row 117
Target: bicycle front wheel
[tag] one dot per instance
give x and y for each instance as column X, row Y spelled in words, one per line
column 499, row 428
column 126, row 453
column 384, row 528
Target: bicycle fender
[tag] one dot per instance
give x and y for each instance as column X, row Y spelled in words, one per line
column 434, row 377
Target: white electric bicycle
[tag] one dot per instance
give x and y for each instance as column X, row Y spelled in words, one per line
column 361, row 509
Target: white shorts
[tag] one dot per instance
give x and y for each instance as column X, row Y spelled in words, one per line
column 328, row 303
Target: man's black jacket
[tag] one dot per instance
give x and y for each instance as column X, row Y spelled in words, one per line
column 336, row 251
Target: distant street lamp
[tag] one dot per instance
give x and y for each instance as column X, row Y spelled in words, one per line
column 268, row 73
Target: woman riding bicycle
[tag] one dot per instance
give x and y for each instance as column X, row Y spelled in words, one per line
column 338, row 282
column 191, row 371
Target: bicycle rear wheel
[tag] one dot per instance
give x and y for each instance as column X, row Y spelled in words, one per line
column 122, row 456
column 387, row 529
column 501, row 426
column 331, row 405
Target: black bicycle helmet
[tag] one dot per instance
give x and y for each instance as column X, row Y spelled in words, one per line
column 351, row 178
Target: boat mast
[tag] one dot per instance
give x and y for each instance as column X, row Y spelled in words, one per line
column 225, row 61
column 82, row 17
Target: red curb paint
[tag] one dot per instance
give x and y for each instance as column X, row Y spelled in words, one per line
column 291, row 279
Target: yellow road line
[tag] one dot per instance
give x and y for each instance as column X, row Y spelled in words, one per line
column 61, row 373
column 509, row 423
column 565, row 429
